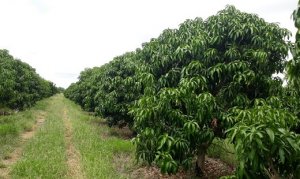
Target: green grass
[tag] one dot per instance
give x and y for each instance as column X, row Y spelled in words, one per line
column 222, row 149
column 102, row 152
column 11, row 126
column 100, row 155
column 44, row 155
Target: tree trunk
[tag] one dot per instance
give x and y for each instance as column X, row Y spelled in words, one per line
column 273, row 174
column 200, row 164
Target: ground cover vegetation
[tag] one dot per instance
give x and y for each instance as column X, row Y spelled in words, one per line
column 208, row 79
column 56, row 139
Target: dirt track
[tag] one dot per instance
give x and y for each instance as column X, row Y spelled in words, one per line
column 17, row 153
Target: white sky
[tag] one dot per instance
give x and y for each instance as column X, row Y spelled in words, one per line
column 59, row 38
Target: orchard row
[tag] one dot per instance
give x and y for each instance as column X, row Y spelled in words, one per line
column 20, row 85
column 208, row 78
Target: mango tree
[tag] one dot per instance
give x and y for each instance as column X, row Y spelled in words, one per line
column 195, row 75
column 194, row 83
column 266, row 136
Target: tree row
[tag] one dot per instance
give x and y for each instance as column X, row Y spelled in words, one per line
column 20, row 85
column 208, row 78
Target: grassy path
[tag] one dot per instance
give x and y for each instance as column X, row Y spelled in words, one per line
column 98, row 151
column 73, row 157
column 44, row 155
column 63, row 142
column 12, row 158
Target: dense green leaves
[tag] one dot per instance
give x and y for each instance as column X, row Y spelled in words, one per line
column 191, row 84
column 108, row 90
column 20, row 85
column 293, row 70
column 264, row 143
column 207, row 70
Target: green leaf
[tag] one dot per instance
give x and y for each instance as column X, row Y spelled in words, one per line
column 271, row 134
column 281, row 155
column 252, row 154
column 293, row 143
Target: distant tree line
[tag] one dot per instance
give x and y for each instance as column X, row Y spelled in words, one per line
column 20, row 85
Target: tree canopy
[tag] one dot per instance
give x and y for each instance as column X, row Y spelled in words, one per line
column 208, row 78
column 20, row 85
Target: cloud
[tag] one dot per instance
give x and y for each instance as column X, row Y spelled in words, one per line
column 66, row 75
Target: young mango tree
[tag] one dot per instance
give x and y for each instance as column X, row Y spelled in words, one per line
column 195, row 75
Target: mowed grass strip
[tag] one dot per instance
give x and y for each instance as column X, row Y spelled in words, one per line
column 44, row 155
column 99, row 155
column 13, row 125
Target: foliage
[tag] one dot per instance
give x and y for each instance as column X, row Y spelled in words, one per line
column 20, row 85
column 191, row 84
column 224, row 150
column 108, row 90
column 293, row 68
column 263, row 141
column 83, row 91
column 118, row 90
column 196, row 75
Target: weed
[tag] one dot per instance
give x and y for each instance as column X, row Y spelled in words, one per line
column 223, row 150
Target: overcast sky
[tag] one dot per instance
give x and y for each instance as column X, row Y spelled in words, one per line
column 60, row 38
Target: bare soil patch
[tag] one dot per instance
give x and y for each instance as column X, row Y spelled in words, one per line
column 124, row 132
column 29, row 134
column 121, row 132
column 214, row 168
